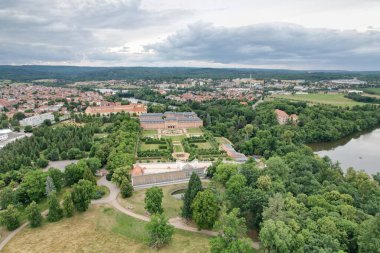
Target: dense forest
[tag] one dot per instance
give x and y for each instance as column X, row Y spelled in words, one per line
column 73, row 73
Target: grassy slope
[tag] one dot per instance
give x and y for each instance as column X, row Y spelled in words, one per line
column 100, row 230
column 332, row 99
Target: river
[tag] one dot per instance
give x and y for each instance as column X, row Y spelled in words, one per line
column 360, row 150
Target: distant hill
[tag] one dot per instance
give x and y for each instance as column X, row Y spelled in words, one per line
column 74, row 73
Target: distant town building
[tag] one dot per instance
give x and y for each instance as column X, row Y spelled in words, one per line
column 353, row 81
column 137, row 109
column 170, row 120
column 283, row 117
column 37, row 119
column 4, row 134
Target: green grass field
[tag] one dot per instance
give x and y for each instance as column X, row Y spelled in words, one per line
column 203, row 145
column 149, row 132
column 375, row 91
column 178, row 148
column 100, row 229
column 144, row 146
column 171, row 205
column 320, row 98
column 175, row 137
column 222, row 140
column 194, row 131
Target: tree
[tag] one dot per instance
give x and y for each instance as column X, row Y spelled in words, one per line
column 194, row 186
column 10, row 218
column 234, row 188
column 248, row 129
column 57, row 177
column 94, row 164
column 73, row 173
column 55, row 210
column 34, row 215
column 231, row 228
column 264, row 182
column 126, row 189
column 28, row 129
column 276, row 236
column 120, row 175
column 160, row 232
column 369, row 235
column 49, row 186
column 224, row 172
column 68, row 205
column 205, row 209
column 42, row 162
column 34, row 185
column 82, row 194
column 7, row 197
column 153, row 200
column 87, row 175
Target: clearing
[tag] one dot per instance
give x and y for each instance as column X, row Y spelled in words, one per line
column 321, row 98
column 100, row 229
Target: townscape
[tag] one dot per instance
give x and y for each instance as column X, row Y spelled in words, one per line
column 201, row 126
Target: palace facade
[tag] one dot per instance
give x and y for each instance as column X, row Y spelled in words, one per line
column 170, row 120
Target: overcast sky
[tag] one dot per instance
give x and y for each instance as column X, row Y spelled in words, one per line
column 292, row 34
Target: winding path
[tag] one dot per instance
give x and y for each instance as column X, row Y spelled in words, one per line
column 111, row 199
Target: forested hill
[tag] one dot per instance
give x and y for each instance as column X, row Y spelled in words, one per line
column 75, row 73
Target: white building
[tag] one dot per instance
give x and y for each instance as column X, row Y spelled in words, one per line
column 37, row 119
column 4, row 134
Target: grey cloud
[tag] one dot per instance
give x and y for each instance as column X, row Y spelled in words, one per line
column 272, row 44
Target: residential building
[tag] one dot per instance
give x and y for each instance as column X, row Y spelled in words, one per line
column 37, row 119
column 283, row 117
column 137, row 109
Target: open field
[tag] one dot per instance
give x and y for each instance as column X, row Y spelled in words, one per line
column 171, row 205
column 149, row 132
column 222, row 140
column 375, row 91
column 144, row 146
column 194, row 131
column 315, row 98
column 100, row 229
column 203, row 145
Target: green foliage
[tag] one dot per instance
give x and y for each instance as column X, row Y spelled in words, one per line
column 10, row 218
column 159, row 230
column 369, row 235
column 232, row 229
column 120, row 175
column 194, row 186
column 89, row 176
column 34, row 215
column 57, row 177
column 28, row 129
column 81, row 195
column 34, row 185
column 73, row 173
column 205, row 209
column 126, row 189
column 42, row 163
column 153, row 200
column 7, row 197
column 55, row 210
column 49, row 186
column 224, row 172
column 68, row 205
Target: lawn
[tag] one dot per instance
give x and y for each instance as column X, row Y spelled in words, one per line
column 100, row 229
column 315, row 98
column 149, row 132
column 144, row 146
column 222, row 140
column 194, row 131
column 375, row 91
column 203, row 145
column 178, row 147
column 175, row 137
column 171, row 205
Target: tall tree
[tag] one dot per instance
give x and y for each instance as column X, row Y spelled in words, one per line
column 34, row 215
column 82, row 194
column 49, row 186
column 55, row 210
column 205, row 209
column 160, row 232
column 10, row 218
column 153, row 200
column 68, row 205
column 369, row 235
column 194, row 186
column 126, row 189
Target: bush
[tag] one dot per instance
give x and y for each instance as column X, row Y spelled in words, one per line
column 99, row 192
column 126, row 189
column 160, row 232
column 55, row 210
column 10, row 218
column 34, row 215
column 42, row 163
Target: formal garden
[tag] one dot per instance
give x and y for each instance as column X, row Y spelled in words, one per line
column 153, row 149
column 204, row 147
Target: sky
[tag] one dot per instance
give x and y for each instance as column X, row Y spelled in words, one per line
column 284, row 34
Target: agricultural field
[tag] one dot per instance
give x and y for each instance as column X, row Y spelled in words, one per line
column 100, row 229
column 321, row 98
column 374, row 91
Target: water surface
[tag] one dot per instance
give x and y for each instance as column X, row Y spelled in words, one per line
column 361, row 151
